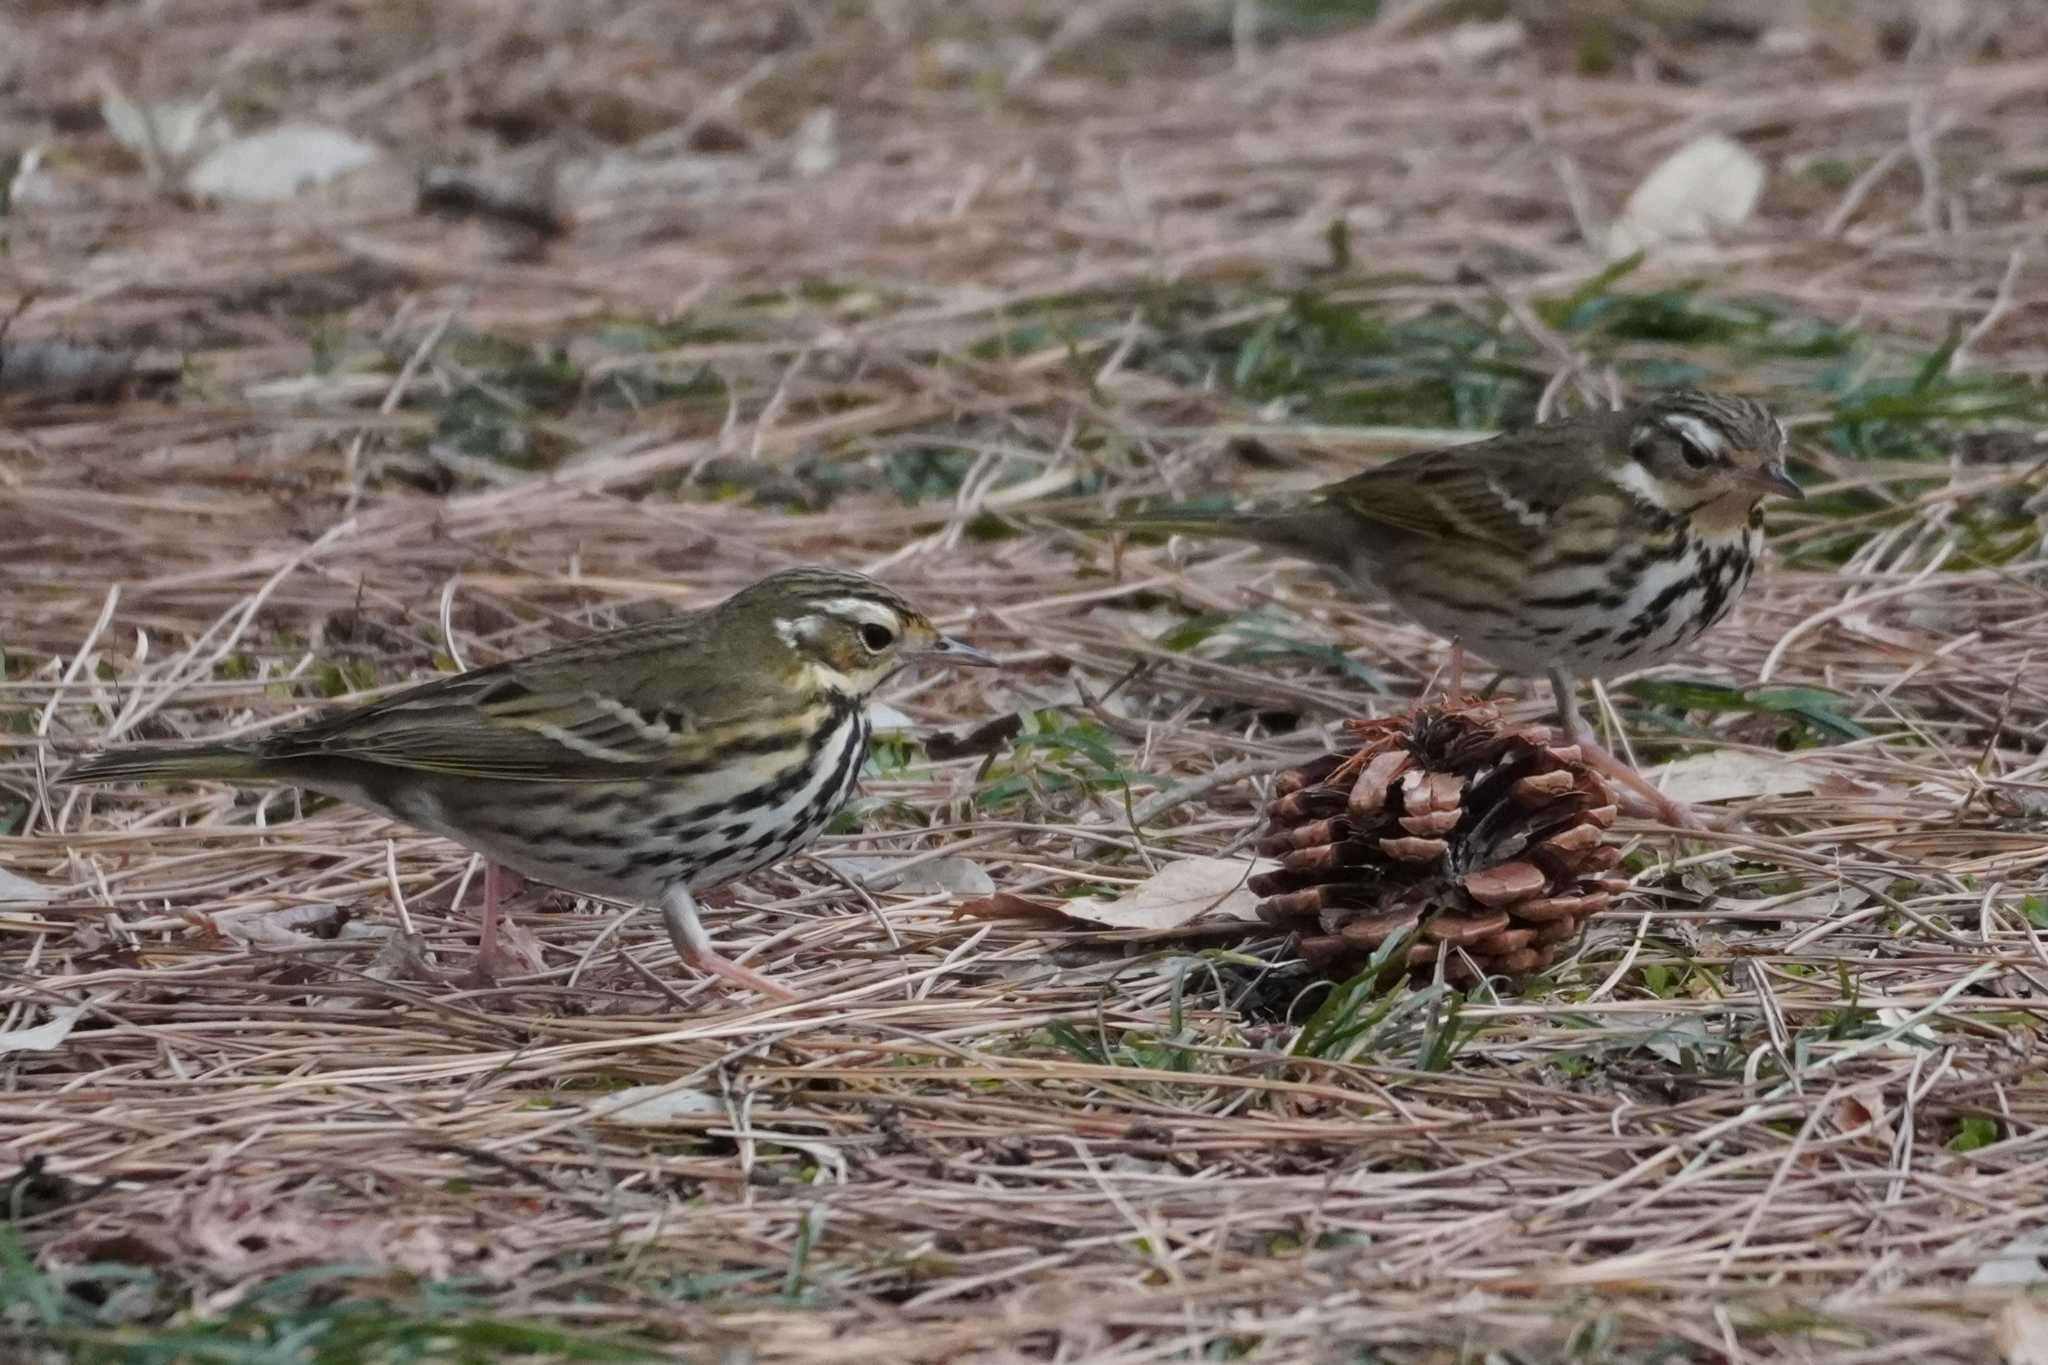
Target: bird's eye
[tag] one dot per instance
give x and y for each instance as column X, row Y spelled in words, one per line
column 877, row 638
column 1695, row 456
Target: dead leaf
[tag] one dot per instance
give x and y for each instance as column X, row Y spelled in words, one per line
column 45, row 1037
column 294, row 926
column 278, row 164
column 168, row 132
column 1731, row 775
column 912, row 876
column 815, row 148
column 1177, row 893
column 521, row 945
column 21, row 891
column 883, row 717
column 2021, row 1332
column 2022, row 1261
column 654, row 1104
column 1003, row 905
column 1707, row 186
column 243, row 1228
column 400, row 957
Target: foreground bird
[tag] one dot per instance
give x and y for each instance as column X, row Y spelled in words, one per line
column 1583, row 547
column 642, row 764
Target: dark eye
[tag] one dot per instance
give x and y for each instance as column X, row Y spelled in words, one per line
column 877, row 638
column 1695, row 457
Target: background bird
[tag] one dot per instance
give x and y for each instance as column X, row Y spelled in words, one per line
column 1582, row 547
column 642, row 764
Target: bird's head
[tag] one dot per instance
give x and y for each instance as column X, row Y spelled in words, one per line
column 844, row 630
column 1712, row 456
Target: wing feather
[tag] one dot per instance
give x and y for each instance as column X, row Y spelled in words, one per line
column 594, row 710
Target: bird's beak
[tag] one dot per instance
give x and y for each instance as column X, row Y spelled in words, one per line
column 946, row 649
column 1773, row 481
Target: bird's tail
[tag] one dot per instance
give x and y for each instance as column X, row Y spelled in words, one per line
column 1311, row 528
column 156, row 762
column 1183, row 520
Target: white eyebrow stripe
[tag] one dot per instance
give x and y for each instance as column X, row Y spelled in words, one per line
column 1701, row 434
column 862, row 610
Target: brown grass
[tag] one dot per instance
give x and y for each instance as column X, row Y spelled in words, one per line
column 1780, row 1104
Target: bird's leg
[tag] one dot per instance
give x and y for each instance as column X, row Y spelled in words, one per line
column 1455, row 681
column 693, row 945
column 1678, row 815
column 500, row 884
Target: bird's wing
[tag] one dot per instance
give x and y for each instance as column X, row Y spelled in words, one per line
column 603, row 708
column 1500, row 492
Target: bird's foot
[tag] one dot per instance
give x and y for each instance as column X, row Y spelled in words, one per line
column 1639, row 795
column 693, row 945
column 502, row 886
column 717, row 964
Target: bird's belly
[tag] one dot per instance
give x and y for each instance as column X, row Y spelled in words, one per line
column 633, row 840
column 1591, row 620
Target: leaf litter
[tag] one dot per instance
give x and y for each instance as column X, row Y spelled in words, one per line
column 1144, row 262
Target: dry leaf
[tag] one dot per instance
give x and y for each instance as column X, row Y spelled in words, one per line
column 1730, row 775
column 2023, row 1260
column 167, row 132
column 238, row 1229
column 278, row 164
column 883, row 717
column 292, row 927
column 1003, row 905
column 2021, row 1331
column 1177, row 893
column 815, row 148
column 654, row 1104
column 1708, row 185
column 907, row 876
column 46, row 1037
column 21, row 891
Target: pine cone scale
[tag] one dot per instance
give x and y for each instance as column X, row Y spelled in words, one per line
column 1486, row 843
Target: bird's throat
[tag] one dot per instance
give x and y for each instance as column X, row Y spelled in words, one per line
column 1725, row 518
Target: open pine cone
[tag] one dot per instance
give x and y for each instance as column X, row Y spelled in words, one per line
column 1489, row 841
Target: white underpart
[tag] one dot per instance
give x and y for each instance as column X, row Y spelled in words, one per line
column 722, row 857
column 1528, row 514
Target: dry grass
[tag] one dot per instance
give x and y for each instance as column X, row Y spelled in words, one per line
column 1780, row 1104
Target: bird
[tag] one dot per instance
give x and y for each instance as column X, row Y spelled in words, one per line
column 1585, row 546
column 643, row 764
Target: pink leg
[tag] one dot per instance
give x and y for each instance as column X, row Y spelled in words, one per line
column 1676, row 814
column 693, row 945
column 499, row 885
column 1455, row 683
column 1564, row 689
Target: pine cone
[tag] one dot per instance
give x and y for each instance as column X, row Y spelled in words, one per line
column 1478, row 837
